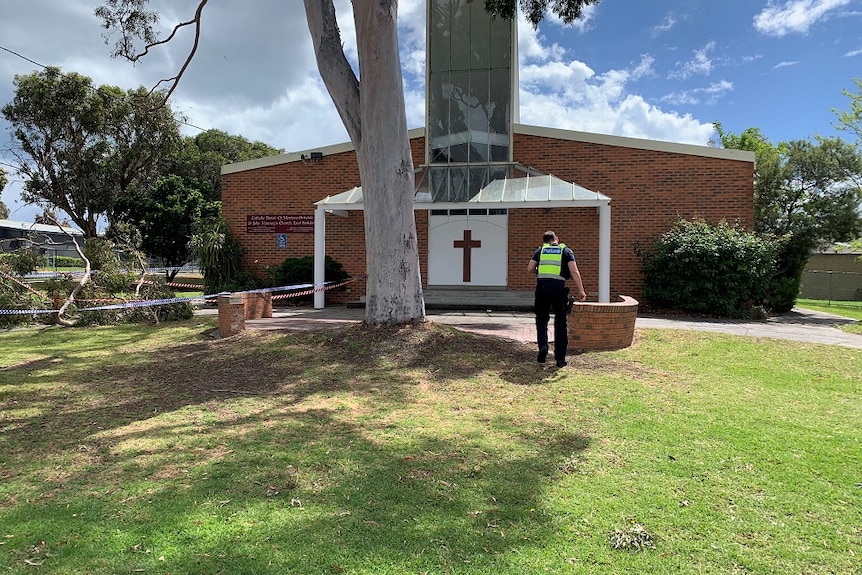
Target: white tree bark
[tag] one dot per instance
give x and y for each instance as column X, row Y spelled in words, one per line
column 373, row 112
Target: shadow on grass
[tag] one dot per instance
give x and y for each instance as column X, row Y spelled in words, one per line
column 68, row 394
column 232, row 455
column 436, row 505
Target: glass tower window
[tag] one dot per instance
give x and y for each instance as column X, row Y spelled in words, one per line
column 469, row 94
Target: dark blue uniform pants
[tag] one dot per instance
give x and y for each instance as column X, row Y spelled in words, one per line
column 552, row 295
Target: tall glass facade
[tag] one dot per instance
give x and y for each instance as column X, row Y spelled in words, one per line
column 469, row 98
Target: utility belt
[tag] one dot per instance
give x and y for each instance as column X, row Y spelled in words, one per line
column 570, row 299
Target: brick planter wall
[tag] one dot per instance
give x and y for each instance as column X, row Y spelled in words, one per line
column 602, row 326
column 258, row 305
column 231, row 314
column 235, row 308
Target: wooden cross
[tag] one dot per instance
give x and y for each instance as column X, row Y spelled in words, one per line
column 467, row 244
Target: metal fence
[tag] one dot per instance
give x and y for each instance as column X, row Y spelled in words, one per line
column 831, row 285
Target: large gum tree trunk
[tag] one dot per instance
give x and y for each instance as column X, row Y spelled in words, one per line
column 373, row 113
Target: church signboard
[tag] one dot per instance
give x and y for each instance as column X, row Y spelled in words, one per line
column 279, row 224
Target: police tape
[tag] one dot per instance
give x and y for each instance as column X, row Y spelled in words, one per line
column 26, row 311
column 317, row 289
column 169, row 284
column 125, row 305
column 24, row 285
column 180, row 285
column 190, row 299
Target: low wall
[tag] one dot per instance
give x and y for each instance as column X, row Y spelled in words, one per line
column 234, row 309
column 602, row 326
column 258, row 305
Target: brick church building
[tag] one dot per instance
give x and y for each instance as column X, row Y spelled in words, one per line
column 487, row 186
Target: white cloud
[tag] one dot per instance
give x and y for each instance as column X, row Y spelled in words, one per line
column 709, row 95
column 794, row 16
column 531, row 48
column 701, row 64
column 632, row 117
column 852, row 53
column 557, row 75
column 668, row 23
column 302, row 117
column 569, row 94
column 644, row 68
column 784, row 64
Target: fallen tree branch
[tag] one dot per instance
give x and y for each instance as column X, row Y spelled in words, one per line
column 81, row 283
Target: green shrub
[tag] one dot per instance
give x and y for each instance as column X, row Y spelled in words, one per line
column 68, row 262
column 297, row 271
column 24, row 260
column 787, row 279
column 219, row 257
column 102, row 255
column 716, row 270
column 15, row 297
column 783, row 291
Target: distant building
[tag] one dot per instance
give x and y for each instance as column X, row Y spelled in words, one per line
column 833, row 273
column 51, row 240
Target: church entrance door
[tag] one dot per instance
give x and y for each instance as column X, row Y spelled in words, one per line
column 468, row 247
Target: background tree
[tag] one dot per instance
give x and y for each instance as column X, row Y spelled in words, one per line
column 49, row 217
column 201, row 157
column 372, row 109
column 4, row 209
column 81, row 146
column 851, row 120
column 807, row 192
column 166, row 217
column 166, row 212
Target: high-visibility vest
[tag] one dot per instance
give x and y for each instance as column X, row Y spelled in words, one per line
column 551, row 262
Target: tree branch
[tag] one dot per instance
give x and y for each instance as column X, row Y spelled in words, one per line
column 137, row 23
column 176, row 79
column 196, row 19
column 83, row 281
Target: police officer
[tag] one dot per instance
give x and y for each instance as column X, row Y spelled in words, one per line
column 553, row 263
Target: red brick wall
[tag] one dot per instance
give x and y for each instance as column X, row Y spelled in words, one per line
column 602, row 326
column 649, row 191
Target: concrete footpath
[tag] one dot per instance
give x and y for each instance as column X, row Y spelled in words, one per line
column 797, row 325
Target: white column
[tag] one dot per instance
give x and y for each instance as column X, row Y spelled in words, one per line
column 319, row 257
column 605, row 253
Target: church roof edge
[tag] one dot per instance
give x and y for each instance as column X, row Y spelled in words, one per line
column 638, row 143
column 303, row 155
column 525, row 129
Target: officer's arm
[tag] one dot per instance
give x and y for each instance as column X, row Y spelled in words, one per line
column 576, row 275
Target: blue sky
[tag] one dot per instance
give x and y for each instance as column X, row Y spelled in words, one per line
column 657, row 69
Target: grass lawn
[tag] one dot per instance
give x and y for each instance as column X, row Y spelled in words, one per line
column 851, row 309
column 141, row 449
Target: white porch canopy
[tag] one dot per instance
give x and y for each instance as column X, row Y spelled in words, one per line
column 544, row 191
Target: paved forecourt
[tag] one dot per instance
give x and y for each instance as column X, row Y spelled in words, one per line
column 797, row 325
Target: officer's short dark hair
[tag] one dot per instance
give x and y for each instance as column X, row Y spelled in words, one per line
column 549, row 237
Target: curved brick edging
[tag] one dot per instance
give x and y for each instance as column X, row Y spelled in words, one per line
column 603, row 326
